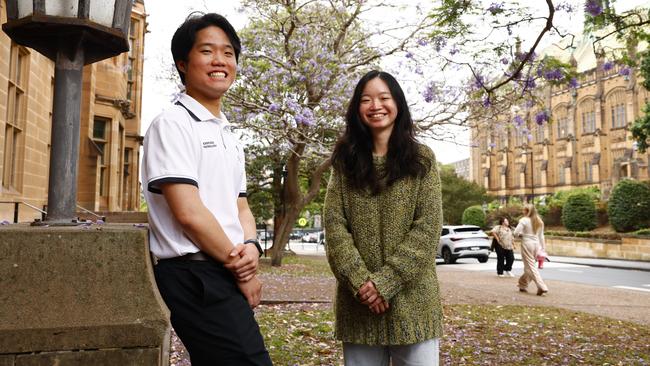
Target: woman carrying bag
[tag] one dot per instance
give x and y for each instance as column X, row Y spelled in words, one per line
column 503, row 244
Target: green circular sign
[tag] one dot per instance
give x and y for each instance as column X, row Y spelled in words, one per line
column 302, row 221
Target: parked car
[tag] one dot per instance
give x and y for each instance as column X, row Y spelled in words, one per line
column 264, row 235
column 311, row 237
column 463, row 241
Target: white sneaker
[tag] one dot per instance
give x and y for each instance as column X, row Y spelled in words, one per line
column 509, row 274
column 500, row 275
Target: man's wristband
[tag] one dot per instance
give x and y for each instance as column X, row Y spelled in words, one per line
column 257, row 245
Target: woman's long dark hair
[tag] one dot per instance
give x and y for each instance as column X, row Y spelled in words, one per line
column 352, row 155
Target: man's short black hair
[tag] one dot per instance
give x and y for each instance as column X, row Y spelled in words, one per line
column 185, row 36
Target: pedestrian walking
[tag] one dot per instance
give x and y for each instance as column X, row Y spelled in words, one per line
column 202, row 231
column 531, row 230
column 383, row 217
column 504, row 247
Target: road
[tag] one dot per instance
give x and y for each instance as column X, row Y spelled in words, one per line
column 598, row 276
column 626, row 279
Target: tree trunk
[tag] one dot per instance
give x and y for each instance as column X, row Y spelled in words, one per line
column 289, row 200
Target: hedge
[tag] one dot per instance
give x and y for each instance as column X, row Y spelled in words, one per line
column 629, row 206
column 474, row 215
column 579, row 213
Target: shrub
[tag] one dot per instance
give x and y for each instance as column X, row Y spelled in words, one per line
column 553, row 216
column 579, row 213
column 629, row 206
column 512, row 213
column 474, row 215
column 642, row 232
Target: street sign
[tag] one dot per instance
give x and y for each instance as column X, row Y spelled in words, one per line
column 302, row 221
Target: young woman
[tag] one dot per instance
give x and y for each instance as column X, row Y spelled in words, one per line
column 531, row 230
column 504, row 247
column 382, row 219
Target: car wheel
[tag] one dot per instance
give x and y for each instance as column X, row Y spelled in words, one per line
column 483, row 259
column 446, row 255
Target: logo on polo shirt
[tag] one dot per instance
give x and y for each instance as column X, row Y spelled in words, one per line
column 207, row 144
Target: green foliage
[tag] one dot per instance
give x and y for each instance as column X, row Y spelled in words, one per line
column 642, row 232
column 579, row 213
column 629, row 206
column 559, row 198
column 512, row 213
column 474, row 215
column 641, row 127
column 584, row 234
column 458, row 194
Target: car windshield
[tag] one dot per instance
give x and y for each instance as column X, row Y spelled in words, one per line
column 467, row 229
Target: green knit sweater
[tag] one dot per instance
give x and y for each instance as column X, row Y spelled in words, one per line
column 391, row 239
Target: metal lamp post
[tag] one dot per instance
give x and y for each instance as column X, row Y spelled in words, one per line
column 72, row 33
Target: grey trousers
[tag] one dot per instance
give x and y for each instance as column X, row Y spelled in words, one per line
column 419, row 354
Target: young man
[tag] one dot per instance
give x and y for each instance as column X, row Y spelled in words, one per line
column 202, row 230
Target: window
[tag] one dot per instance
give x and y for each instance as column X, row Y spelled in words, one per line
column 616, row 105
column 101, row 134
column 562, row 127
column 16, row 112
column 131, row 62
column 519, row 138
column 539, row 134
column 618, row 116
column 588, row 116
column 589, row 122
column 588, row 171
column 560, row 174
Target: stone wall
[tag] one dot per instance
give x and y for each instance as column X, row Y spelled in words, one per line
column 77, row 296
column 628, row 247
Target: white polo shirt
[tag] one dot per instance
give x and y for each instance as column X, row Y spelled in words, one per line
column 188, row 144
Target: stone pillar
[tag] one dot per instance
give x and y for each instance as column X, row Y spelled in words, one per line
column 83, row 295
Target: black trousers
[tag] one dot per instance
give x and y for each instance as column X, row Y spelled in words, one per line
column 209, row 313
column 505, row 259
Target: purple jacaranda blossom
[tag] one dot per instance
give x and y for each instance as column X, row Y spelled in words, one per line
column 626, row 71
column 541, row 117
column 529, row 136
column 518, row 120
column 495, row 8
column 492, row 144
column 439, row 43
column 569, row 8
column 522, row 56
column 593, row 8
column 423, row 42
column 478, row 82
column 274, row 107
column 453, row 51
column 428, row 93
column 409, row 55
column 555, row 74
column 608, row 66
column 486, row 102
column 529, row 83
column 505, row 61
column 573, row 83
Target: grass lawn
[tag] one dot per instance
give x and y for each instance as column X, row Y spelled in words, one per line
column 474, row 335
column 302, row 334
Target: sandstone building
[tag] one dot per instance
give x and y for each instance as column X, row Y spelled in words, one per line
column 110, row 126
column 588, row 142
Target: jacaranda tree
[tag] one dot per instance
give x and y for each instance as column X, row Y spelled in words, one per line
column 508, row 74
column 300, row 63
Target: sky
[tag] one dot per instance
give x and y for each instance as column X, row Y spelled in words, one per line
column 165, row 16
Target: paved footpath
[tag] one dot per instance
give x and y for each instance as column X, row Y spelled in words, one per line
column 460, row 286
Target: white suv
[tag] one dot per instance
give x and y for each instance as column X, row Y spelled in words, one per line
column 463, row 241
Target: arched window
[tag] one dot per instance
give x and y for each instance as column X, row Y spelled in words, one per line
column 561, row 117
column 587, row 115
column 616, row 107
